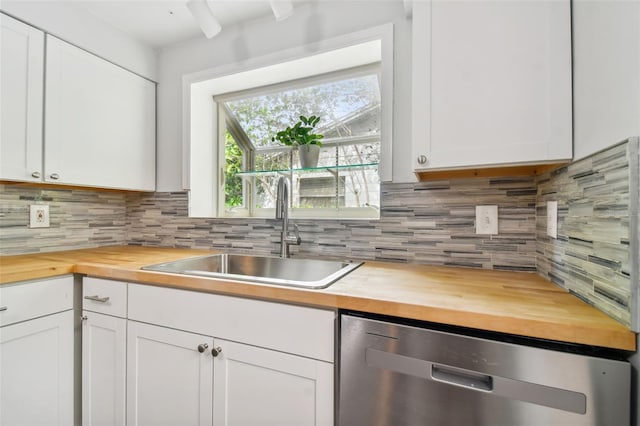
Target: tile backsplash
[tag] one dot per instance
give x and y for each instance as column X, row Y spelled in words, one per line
column 595, row 254
column 79, row 219
column 433, row 222
column 428, row 222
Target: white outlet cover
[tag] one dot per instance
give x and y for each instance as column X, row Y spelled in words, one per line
column 487, row 220
column 39, row 216
column 552, row 219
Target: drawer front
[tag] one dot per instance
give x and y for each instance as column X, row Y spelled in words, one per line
column 32, row 299
column 104, row 296
column 293, row 329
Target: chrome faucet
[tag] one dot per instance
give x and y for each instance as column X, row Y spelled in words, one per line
column 282, row 212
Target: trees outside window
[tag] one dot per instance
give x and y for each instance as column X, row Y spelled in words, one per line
column 348, row 103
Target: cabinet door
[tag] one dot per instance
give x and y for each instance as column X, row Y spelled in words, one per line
column 169, row 382
column 22, row 76
column 492, row 83
column 104, row 340
column 36, row 365
column 256, row 386
column 100, row 122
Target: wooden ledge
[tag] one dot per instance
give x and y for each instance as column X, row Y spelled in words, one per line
column 529, row 170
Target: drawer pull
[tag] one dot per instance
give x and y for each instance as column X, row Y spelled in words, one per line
column 97, row 298
column 3, row 308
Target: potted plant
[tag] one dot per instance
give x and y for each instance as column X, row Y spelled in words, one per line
column 302, row 137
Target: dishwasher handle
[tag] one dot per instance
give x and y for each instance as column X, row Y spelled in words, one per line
column 459, row 377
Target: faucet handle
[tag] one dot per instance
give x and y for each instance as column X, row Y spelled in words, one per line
column 296, row 231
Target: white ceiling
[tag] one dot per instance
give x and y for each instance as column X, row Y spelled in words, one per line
column 159, row 23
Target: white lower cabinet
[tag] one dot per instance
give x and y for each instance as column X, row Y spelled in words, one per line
column 256, row 386
column 205, row 359
column 104, row 345
column 169, row 377
column 187, row 358
column 104, row 352
column 36, row 353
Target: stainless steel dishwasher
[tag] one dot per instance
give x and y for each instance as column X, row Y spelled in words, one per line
column 394, row 375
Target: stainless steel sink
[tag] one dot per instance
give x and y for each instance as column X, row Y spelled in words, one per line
column 306, row 273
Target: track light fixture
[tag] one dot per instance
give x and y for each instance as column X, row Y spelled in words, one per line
column 204, row 17
column 282, row 9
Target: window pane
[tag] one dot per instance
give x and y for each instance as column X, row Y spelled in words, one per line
column 337, row 188
column 273, row 160
column 233, row 185
column 337, row 103
column 347, row 173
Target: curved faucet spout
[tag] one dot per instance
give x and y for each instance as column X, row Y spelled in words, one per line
column 282, row 212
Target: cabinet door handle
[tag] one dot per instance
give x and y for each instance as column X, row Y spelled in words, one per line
column 84, row 318
column 3, row 308
column 202, row 347
column 54, row 176
column 97, row 298
column 36, row 175
column 216, row 351
column 422, row 160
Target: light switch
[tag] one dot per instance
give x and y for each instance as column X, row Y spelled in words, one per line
column 552, row 219
column 487, row 220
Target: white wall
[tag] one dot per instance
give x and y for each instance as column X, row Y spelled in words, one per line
column 73, row 24
column 606, row 78
column 309, row 24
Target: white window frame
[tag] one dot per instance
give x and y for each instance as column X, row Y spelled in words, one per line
column 200, row 117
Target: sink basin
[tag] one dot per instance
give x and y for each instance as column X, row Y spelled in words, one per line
column 306, row 273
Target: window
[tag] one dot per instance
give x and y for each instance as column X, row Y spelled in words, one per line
column 231, row 164
column 346, row 178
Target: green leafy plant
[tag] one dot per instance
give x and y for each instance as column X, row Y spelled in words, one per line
column 300, row 133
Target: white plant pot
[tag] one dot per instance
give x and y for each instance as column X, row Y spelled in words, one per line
column 308, row 155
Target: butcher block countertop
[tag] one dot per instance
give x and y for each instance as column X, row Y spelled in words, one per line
column 509, row 302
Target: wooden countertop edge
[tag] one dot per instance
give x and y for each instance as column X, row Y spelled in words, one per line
column 36, row 274
column 622, row 339
column 587, row 334
column 507, row 302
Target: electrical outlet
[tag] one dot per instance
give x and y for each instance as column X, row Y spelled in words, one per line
column 39, row 216
column 552, row 219
column 487, row 220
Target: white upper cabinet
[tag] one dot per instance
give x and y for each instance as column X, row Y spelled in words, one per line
column 98, row 119
column 492, row 83
column 606, row 73
column 99, row 122
column 22, row 75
